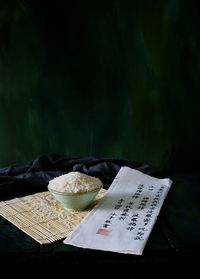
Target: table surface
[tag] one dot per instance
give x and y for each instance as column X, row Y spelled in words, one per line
column 174, row 240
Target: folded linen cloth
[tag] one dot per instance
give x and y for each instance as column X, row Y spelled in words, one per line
column 123, row 220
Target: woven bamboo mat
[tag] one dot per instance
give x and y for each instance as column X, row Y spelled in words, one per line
column 42, row 217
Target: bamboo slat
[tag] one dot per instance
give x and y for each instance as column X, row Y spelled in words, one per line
column 43, row 218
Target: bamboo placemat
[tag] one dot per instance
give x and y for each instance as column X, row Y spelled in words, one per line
column 42, row 217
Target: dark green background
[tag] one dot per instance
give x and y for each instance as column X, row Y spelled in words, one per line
column 110, row 78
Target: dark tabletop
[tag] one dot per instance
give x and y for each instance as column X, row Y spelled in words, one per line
column 174, row 241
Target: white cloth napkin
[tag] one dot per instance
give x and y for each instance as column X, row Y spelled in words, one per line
column 122, row 221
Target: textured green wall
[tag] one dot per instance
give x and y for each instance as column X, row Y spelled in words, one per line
column 105, row 78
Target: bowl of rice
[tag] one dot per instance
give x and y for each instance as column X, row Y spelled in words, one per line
column 75, row 190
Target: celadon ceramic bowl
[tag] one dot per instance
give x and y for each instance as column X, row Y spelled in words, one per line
column 75, row 201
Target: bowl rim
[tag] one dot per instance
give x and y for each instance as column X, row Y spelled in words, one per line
column 73, row 194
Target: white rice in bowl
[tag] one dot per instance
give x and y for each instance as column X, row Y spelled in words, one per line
column 75, row 182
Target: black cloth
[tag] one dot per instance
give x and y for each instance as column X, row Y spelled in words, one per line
column 34, row 176
column 174, row 239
